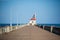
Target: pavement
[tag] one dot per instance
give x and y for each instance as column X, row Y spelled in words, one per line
column 29, row 33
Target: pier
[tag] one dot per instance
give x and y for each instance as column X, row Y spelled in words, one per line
column 29, row 33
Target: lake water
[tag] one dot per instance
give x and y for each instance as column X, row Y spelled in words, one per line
column 3, row 25
column 56, row 25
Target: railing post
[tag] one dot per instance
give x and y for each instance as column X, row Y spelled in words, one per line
column 17, row 26
column 43, row 26
column 4, row 29
column 11, row 28
column 51, row 29
column 7, row 29
column 0, row 30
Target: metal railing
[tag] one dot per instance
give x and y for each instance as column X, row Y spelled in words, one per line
column 7, row 29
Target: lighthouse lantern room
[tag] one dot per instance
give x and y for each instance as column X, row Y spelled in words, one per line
column 32, row 20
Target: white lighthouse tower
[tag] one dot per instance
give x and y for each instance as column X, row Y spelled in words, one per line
column 32, row 20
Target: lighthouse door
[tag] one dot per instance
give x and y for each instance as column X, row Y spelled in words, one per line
column 32, row 21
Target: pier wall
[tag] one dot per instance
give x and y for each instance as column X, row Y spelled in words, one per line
column 52, row 29
column 7, row 29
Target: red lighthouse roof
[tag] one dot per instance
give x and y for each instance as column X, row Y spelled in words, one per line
column 33, row 18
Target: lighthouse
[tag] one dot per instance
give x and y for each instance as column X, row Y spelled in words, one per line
column 32, row 20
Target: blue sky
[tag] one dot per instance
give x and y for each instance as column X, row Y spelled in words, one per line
column 47, row 11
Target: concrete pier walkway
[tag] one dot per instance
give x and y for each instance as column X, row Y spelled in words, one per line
column 29, row 33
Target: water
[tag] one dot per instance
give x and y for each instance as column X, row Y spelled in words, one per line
column 55, row 25
column 3, row 25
